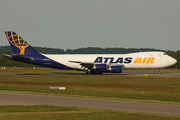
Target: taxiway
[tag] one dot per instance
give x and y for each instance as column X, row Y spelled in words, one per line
column 7, row 98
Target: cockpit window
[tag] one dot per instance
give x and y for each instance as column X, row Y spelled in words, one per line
column 164, row 53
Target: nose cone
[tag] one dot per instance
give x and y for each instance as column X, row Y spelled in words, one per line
column 172, row 61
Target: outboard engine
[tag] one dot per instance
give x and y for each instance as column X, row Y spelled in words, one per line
column 116, row 69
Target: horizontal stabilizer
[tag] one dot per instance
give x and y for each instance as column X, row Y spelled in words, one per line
column 19, row 58
column 7, row 55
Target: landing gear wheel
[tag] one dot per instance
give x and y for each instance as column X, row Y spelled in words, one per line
column 160, row 71
column 93, row 72
column 88, row 72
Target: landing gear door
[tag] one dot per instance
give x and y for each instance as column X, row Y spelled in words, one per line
column 160, row 54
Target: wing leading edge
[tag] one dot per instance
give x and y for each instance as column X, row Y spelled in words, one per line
column 94, row 68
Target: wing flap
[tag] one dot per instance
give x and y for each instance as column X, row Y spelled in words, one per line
column 84, row 64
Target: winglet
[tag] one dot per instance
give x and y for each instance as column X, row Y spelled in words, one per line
column 19, row 46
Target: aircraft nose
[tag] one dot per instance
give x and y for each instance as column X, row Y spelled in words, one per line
column 175, row 61
column 172, row 61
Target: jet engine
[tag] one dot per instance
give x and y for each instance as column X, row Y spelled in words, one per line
column 107, row 68
column 116, row 69
column 100, row 67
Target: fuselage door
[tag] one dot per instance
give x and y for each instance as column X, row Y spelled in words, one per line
column 160, row 54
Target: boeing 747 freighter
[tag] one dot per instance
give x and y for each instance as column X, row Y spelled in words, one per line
column 91, row 63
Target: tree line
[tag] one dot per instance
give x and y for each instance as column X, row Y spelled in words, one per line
column 4, row 61
column 88, row 50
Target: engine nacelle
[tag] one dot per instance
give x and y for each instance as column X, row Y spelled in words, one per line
column 100, row 67
column 106, row 68
column 116, row 69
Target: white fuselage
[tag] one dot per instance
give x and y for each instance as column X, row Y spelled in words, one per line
column 141, row 60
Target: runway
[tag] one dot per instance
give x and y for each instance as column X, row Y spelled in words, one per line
column 153, row 74
column 125, row 73
column 7, row 98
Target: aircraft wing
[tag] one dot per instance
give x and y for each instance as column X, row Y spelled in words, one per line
column 90, row 65
column 84, row 64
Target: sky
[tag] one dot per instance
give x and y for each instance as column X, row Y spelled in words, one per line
column 72, row 24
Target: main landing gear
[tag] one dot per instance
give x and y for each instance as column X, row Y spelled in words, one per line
column 90, row 72
column 160, row 71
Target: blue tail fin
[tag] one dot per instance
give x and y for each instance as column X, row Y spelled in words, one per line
column 19, row 46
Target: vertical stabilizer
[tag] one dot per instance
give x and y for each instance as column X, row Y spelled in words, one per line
column 19, row 46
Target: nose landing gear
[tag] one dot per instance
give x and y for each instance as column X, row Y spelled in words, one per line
column 160, row 71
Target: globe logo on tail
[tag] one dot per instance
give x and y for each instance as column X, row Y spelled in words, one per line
column 17, row 41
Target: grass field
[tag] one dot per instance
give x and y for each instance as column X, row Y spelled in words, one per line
column 163, row 89
column 46, row 112
column 131, row 87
